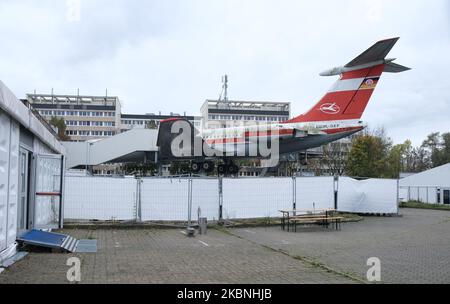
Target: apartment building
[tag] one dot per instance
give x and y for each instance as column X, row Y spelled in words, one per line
column 86, row 117
column 150, row 120
column 220, row 113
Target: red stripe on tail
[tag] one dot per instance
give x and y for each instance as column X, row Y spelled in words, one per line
column 343, row 105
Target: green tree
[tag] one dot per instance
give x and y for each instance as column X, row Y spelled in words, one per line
column 140, row 169
column 179, row 168
column 437, row 149
column 445, row 151
column 368, row 156
column 397, row 160
column 151, row 125
column 431, row 144
column 335, row 157
column 61, row 126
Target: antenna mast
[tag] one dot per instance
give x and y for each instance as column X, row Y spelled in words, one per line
column 224, row 89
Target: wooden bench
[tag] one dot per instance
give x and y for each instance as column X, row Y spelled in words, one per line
column 320, row 220
column 314, row 216
column 286, row 215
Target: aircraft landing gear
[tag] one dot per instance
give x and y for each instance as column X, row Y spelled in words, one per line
column 195, row 167
column 207, row 166
column 233, row 169
column 227, row 168
column 222, row 169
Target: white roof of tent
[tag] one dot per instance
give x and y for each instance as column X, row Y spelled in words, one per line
column 436, row 177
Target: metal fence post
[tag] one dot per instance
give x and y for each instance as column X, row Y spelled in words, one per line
column 189, row 202
column 336, row 191
column 220, row 198
column 294, row 193
column 139, row 200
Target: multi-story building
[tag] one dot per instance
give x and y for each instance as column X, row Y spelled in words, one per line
column 219, row 114
column 86, row 117
column 150, row 120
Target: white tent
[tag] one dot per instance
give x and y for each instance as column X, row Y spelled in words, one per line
column 431, row 186
column 31, row 166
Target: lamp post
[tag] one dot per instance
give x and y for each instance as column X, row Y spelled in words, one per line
column 87, row 146
column 88, row 154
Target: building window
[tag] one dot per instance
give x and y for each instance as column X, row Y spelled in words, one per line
column 84, row 133
column 71, row 132
column 109, row 124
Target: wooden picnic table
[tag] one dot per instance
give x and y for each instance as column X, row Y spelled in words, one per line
column 320, row 216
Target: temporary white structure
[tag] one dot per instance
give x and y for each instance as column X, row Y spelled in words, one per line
column 31, row 179
column 431, row 186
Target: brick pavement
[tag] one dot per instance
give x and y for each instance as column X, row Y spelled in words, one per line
column 414, row 248
column 168, row 256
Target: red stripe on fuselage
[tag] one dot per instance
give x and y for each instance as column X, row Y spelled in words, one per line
column 250, row 134
column 269, row 133
column 225, row 140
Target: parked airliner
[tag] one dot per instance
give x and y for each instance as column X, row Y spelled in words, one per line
column 337, row 115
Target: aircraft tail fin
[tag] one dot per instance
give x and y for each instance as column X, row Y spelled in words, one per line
column 349, row 96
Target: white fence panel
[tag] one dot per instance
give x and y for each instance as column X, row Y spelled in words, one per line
column 314, row 193
column 164, row 199
column 205, row 195
column 423, row 194
column 100, row 198
column 256, row 197
column 403, row 194
column 367, row 196
column 432, row 195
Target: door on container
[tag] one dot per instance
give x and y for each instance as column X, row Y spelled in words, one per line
column 446, row 199
column 48, row 191
column 22, row 209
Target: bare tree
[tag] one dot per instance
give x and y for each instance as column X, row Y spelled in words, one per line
column 335, row 157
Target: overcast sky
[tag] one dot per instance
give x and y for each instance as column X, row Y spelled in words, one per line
column 169, row 56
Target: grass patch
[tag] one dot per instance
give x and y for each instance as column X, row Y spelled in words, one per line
column 275, row 221
column 419, row 205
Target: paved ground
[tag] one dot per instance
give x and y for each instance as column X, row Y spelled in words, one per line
column 414, row 248
column 168, row 256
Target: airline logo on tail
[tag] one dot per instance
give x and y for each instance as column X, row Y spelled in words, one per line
column 330, row 108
